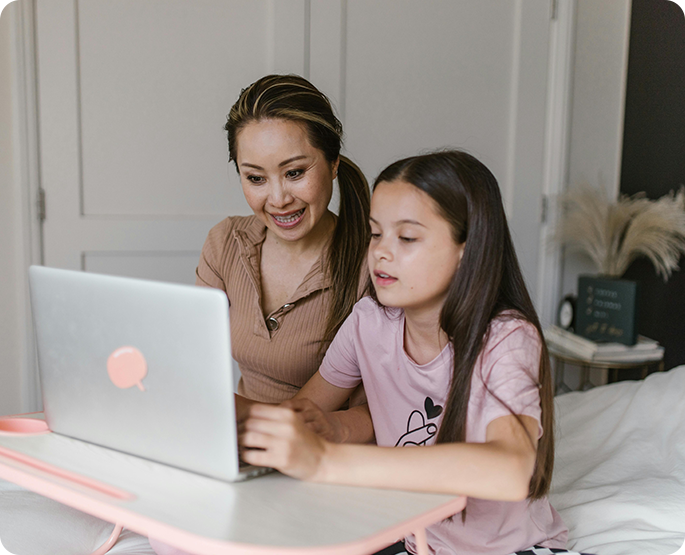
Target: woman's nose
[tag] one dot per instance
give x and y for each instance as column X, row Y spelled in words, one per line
column 279, row 196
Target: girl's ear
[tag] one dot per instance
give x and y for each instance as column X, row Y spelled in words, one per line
column 460, row 251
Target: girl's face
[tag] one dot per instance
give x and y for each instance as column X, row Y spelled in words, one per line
column 287, row 182
column 412, row 255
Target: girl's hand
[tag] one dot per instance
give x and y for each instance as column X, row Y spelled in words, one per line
column 324, row 424
column 242, row 410
column 278, row 438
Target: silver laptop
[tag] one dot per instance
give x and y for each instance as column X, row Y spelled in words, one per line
column 140, row 366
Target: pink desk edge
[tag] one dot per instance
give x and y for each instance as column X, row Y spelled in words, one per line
column 93, row 497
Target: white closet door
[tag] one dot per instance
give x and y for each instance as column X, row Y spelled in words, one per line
column 409, row 76
column 134, row 93
column 133, row 97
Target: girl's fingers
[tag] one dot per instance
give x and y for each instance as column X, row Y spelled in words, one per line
column 256, row 440
column 270, row 412
column 258, row 458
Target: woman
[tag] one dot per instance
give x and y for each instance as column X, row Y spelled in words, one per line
column 292, row 270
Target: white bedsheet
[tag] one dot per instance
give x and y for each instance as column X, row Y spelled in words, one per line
column 31, row 524
column 619, row 481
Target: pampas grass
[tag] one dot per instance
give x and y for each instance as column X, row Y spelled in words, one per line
column 614, row 234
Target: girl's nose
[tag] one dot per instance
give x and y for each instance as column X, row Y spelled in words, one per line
column 381, row 249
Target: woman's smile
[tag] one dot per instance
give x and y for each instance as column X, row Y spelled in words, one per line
column 288, row 220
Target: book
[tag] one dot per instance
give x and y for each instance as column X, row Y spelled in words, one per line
column 645, row 349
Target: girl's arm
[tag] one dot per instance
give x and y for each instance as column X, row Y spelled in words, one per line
column 498, row 469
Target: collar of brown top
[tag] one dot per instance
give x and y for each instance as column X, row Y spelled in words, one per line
column 250, row 241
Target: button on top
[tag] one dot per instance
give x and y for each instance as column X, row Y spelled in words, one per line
column 272, row 324
column 287, row 306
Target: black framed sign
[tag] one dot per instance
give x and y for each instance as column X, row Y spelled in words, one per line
column 607, row 309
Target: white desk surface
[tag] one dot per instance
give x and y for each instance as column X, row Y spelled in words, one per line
column 265, row 515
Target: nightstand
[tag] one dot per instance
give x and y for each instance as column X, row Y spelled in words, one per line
column 560, row 359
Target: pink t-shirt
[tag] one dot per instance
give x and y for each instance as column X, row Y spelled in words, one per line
column 406, row 400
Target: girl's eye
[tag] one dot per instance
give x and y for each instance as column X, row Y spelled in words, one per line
column 407, row 239
column 256, row 179
column 294, row 174
column 375, row 235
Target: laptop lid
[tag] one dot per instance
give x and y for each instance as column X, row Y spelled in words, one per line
column 139, row 366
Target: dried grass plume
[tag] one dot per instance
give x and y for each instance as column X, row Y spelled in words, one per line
column 614, row 234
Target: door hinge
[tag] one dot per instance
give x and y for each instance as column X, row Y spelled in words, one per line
column 554, row 10
column 40, row 203
column 543, row 209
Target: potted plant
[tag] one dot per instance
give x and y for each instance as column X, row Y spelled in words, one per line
column 613, row 235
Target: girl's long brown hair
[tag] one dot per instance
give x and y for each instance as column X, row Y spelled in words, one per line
column 488, row 283
column 293, row 98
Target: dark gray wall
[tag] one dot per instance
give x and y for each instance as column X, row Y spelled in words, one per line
column 654, row 154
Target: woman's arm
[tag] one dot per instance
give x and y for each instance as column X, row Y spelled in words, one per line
column 315, row 404
column 498, row 469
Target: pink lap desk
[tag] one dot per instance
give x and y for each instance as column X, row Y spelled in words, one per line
column 272, row 514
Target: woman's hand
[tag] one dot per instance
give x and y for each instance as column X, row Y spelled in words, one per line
column 324, row 424
column 278, row 438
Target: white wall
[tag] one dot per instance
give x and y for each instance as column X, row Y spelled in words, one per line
column 10, row 334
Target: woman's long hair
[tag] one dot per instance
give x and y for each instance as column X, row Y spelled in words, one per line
column 487, row 283
column 293, row 98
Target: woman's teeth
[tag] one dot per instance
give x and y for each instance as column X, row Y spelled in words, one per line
column 288, row 219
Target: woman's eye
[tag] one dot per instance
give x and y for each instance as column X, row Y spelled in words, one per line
column 375, row 235
column 407, row 239
column 255, row 179
column 294, row 174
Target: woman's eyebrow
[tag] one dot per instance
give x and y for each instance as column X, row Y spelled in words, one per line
column 284, row 163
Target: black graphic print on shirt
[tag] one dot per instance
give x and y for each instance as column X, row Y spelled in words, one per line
column 419, row 429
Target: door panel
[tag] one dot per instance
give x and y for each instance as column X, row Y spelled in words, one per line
column 133, row 99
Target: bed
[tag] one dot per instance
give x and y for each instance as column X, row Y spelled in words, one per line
column 619, row 481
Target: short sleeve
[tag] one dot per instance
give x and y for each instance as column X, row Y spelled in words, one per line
column 509, row 371
column 340, row 366
column 207, row 273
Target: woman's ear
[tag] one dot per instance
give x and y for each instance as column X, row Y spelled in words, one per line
column 334, row 167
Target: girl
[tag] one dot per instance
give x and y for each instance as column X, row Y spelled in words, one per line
column 450, row 353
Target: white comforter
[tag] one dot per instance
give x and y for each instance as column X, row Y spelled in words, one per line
column 619, row 480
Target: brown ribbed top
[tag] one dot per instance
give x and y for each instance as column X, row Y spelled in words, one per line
column 277, row 360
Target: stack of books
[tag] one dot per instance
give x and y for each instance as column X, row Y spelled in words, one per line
column 644, row 350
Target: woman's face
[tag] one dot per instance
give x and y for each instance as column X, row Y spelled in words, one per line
column 412, row 254
column 287, row 182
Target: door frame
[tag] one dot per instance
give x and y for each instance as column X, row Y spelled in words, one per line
column 556, row 158
column 26, row 176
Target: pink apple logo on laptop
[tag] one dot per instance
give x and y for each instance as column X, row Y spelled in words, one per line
column 127, row 367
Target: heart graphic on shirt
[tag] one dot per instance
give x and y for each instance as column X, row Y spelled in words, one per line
column 432, row 410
